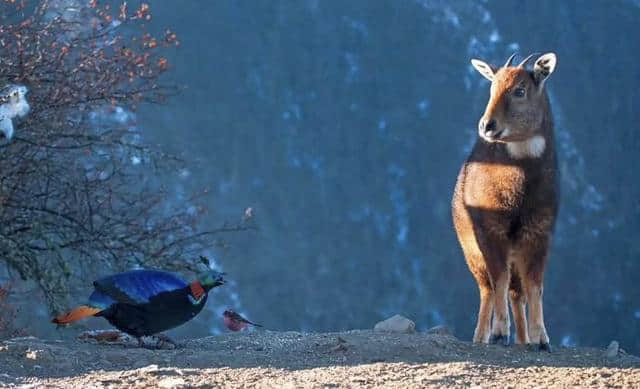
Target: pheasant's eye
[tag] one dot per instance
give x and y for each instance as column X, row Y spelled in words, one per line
column 519, row 92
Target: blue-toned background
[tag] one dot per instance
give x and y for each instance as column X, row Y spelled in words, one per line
column 343, row 125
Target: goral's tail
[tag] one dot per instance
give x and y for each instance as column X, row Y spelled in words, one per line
column 75, row 314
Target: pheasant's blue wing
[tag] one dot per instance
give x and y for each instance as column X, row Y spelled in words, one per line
column 100, row 300
column 137, row 286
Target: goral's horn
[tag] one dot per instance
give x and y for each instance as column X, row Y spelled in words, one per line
column 524, row 62
column 508, row 63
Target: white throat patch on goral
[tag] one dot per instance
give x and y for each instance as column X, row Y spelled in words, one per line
column 530, row 148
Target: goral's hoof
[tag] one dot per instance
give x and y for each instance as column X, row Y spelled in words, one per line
column 499, row 339
column 539, row 347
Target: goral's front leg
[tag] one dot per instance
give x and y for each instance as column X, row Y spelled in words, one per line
column 537, row 331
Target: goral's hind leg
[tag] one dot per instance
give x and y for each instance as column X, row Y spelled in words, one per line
column 518, row 302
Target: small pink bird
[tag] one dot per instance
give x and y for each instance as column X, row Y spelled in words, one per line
column 235, row 322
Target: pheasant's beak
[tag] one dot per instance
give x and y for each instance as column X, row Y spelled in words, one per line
column 220, row 280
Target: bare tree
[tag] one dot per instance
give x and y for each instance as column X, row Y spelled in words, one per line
column 79, row 191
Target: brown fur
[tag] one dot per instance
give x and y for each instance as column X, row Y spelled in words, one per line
column 504, row 208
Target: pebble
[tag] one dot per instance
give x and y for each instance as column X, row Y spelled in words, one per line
column 612, row 349
column 396, row 323
column 117, row 358
column 40, row 355
column 339, row 347
column 439, row 330
column 170, row 382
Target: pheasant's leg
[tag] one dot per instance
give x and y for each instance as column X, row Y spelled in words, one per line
column 162, row 339
column 156, row 346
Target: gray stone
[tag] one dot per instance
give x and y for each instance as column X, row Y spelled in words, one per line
column 171, row 382
column 439, row 330
column 396, row 323
column 40, row 355
column 117, row 358
column 612, row 349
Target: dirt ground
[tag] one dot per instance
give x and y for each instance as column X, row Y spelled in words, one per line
column 359, row 358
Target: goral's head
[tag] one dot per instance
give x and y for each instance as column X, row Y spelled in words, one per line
column 517, row 104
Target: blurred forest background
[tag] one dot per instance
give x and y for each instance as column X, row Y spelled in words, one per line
column 343, row 126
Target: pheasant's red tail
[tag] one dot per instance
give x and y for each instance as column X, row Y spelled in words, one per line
column 75, row 314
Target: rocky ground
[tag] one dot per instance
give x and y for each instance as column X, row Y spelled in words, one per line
column 360, row 358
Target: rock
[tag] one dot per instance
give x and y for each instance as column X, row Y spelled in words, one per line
column 612, row 349
column 397, row 323
column 171, row 382
column 105, row 336
column 149, row 368
column 439, row 330
column 117, row 358
column 339, row 347
column 41, row 355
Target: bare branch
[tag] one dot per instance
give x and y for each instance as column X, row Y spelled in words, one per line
column 79, row 191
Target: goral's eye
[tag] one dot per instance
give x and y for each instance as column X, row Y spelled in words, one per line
column 519, row 92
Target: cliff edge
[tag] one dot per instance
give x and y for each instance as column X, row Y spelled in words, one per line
column 342, row 359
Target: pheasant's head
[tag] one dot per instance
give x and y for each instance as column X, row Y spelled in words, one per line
column 211, row 279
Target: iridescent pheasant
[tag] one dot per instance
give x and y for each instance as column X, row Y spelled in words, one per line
column 145, row 302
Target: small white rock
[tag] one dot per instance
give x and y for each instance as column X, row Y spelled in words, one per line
column 170, row 382
column 439, row 330
column 396, row 323
column 612, row 349
column 149, row 368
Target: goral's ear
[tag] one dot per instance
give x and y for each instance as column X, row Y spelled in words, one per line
column 484, row 68
column 544, row 66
